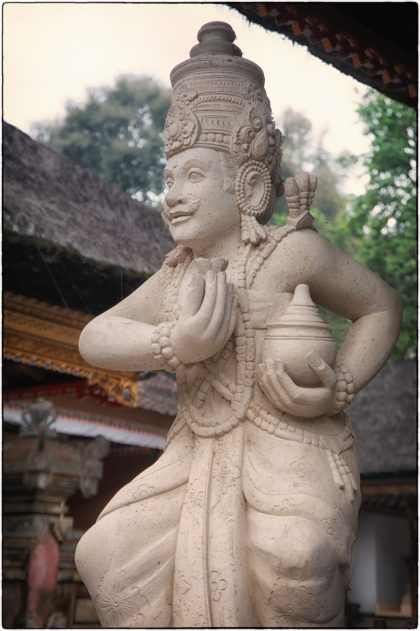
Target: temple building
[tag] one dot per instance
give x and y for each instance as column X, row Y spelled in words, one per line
column 73, row 246
column 384, row 583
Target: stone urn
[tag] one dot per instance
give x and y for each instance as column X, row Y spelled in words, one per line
column 297, row 332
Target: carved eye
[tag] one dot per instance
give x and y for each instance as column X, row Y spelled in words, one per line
column 169, row 181
column 195, row 176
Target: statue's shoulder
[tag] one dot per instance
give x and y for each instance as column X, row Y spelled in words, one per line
column 297, row 253
column 292, row 238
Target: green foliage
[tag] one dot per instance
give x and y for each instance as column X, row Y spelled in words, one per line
column 383, row 222
column 379, row 228
column 116, row 134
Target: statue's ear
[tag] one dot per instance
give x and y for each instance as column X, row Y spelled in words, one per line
column 253, row 191
column 253, row 188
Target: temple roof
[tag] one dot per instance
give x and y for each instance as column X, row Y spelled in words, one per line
column 384, row 419
column 376, row 43
column 60, row 219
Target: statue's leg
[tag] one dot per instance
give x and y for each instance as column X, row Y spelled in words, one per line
column 294, row 574
column 126, row 561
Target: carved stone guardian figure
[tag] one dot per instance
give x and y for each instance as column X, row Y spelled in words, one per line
column 249, row 517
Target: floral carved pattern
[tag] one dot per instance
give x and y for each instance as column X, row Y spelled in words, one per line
column 217, row 585
column 298, row 605
column 118, row 601
column 182, row 129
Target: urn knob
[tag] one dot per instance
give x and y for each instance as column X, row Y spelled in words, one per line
column 297, row 332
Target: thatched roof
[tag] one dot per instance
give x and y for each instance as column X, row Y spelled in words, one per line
column 48, row 197
column 376, row 43
column 385, row 421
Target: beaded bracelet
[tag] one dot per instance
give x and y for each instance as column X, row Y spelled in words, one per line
column 345, row 387
column 161, row 345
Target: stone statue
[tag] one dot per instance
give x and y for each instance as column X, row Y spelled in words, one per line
column 249, row 516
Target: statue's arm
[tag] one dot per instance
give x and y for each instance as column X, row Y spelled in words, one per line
column 120, row 338
column 346, row 288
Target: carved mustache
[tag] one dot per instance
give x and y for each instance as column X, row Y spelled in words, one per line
column 184, row 206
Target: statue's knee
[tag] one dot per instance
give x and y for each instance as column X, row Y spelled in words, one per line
column 307, row 554
column 292, row 547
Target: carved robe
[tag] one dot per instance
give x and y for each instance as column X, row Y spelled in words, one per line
column 200, row 538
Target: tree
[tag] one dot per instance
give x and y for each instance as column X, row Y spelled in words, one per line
column 303, row 152
column 379, row 228
column 116, row 134
column 382, row 222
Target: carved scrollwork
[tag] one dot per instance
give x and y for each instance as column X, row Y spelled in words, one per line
column 257, row 138
column 182, row 129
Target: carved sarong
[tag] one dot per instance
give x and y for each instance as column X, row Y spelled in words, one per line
column 200, row 538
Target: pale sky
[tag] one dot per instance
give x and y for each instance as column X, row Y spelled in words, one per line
column 54, row 51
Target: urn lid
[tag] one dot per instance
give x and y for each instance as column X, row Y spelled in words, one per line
column 301, row 318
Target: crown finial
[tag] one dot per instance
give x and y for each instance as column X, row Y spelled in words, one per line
column 216, row 38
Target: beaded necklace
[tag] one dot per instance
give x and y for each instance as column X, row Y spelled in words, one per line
column 210, row 374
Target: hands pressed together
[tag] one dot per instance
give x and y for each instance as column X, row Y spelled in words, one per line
column 208, row 309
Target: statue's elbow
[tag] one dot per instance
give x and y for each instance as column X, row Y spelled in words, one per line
column 89, row 343
column 396, row 310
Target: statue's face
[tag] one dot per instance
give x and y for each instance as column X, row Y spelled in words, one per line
column 196, row 207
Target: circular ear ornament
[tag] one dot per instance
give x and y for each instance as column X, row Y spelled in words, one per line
column 253, row 188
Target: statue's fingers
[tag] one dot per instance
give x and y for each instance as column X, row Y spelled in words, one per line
column 266, row 385
column 294, row 393
column 320, row 367
column 276, row 381
column 192, row 296
column 219, row 265
column 203, row 265
column 233, row 315
column 227, row 323
column 219, row 310
column 206, row 309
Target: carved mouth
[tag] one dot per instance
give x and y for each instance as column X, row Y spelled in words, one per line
column 180, row 215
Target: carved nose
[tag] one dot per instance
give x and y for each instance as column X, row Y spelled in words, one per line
column 173, row 199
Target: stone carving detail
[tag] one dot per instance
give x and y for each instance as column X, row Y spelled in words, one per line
column 253, row 169
column 37, row 420
column 91, row 465
column 249, row 516
column 41, row 470
column 182, row 128
column 258, row 139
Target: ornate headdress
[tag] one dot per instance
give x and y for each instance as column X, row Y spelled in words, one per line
column 219, row 101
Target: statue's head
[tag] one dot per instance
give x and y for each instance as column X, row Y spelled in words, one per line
column 220, row 125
